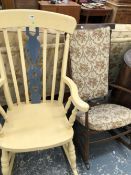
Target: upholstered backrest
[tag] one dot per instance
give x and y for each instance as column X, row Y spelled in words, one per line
column 33, row 57
column 89, row 54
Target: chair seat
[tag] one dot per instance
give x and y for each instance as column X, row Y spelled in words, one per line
column 36, row 126
column 106, row 117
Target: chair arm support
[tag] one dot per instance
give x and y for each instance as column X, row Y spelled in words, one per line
column 76, row 100
column 1, row 81
column 2, row 112
column 121, row 88
column 5, row 117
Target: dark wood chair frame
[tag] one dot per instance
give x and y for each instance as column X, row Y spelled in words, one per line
column 83, row 133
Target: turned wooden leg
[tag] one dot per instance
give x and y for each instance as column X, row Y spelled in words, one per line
column 5, row 162
column 72, row 157
column 83, row 146
column 130, row 140
column 86, row 152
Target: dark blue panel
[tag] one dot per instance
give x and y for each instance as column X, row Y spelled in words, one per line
column 33, row 50
column 34, row 75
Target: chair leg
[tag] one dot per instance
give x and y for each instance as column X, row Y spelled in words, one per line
column 71, row 156
column 86, row 159
column 12, row 158
column 85, row 155
column 130, row 140
column 83, row 146
column 5, row 162
column 82, row 141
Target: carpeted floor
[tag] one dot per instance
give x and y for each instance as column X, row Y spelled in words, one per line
column 110, row 158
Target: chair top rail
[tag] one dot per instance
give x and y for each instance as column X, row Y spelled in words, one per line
column 36, row 18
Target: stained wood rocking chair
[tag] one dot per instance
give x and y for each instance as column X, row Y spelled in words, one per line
column 36, row 124
column 89, row 54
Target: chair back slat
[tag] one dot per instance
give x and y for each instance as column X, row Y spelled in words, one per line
column 23, row 64
column 64, row 68
column 11, row 65
column 55, row 65
column 44, row 62
column 68, row 104
column 5, row 86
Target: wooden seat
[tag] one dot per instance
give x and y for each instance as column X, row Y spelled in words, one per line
column 28, row 124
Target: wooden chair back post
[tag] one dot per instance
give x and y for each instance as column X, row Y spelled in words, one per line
column 11, row 65
column 44, row 63
column 55, row 66
column 64, row 68
column 23, row 64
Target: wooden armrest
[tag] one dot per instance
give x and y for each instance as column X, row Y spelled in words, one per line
column 1, row 81
column 76, row 100
column 121, row 88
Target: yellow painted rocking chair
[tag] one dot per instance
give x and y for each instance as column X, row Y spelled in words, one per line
column 37, row 123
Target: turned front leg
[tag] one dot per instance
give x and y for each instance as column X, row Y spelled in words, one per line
column 5, row 162
column 72, row 156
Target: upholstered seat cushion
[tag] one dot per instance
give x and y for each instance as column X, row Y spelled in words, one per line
column 106, row 117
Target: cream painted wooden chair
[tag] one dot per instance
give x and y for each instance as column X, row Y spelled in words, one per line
column 36, row 124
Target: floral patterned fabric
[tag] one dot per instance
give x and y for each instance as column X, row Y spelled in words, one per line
column 106, row 116
column 89, row 53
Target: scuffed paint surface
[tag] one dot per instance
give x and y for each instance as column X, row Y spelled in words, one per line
column 110, row 158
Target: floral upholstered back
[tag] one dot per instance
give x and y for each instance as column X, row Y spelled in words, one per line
column 89, row 54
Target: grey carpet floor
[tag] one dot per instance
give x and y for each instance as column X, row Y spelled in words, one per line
column 110, row 158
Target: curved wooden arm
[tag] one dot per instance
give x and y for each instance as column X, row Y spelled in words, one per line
column 121, row 88
column 1, row 81
column 76, row 100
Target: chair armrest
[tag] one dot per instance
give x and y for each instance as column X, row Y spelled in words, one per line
column 1, row 81
column 121, row 88
column 76, row 100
